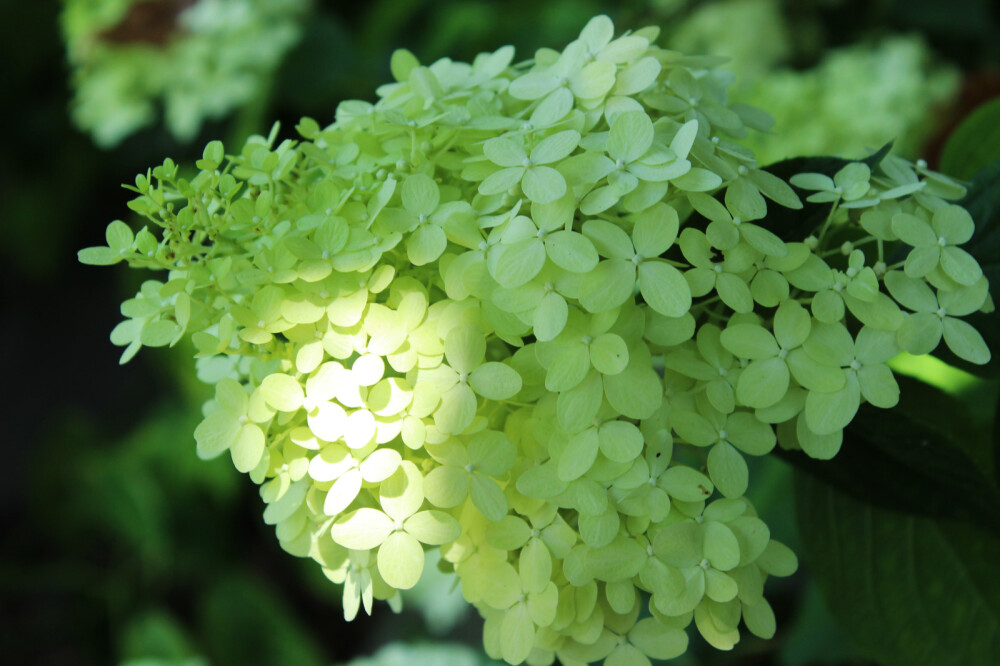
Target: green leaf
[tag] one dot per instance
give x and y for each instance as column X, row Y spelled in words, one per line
column 905, row 589
column 241, row 619
column 974, row 144
column 923, row 457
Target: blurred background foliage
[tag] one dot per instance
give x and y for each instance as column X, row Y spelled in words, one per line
column 120, row 547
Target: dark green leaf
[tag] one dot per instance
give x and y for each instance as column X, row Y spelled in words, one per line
column 905, row 590
column 908, row 459
column 245, row 623
column 155, row 634
column 996, row 443
column 975, row 144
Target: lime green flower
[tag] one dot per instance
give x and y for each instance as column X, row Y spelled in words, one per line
column 501, row 309
column 934, row 244
column 935, row 317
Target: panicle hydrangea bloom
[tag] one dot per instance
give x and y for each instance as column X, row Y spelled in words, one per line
column 532, row 314
column 895, row 81
column 198, row 58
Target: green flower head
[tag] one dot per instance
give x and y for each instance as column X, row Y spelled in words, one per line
column 533, row 314
column 198, row 59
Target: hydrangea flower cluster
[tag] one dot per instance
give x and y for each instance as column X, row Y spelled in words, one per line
column 896, row 81
column 533, row 315
column 199, row 58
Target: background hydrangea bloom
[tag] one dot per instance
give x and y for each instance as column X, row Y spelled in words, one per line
column 195, row 60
